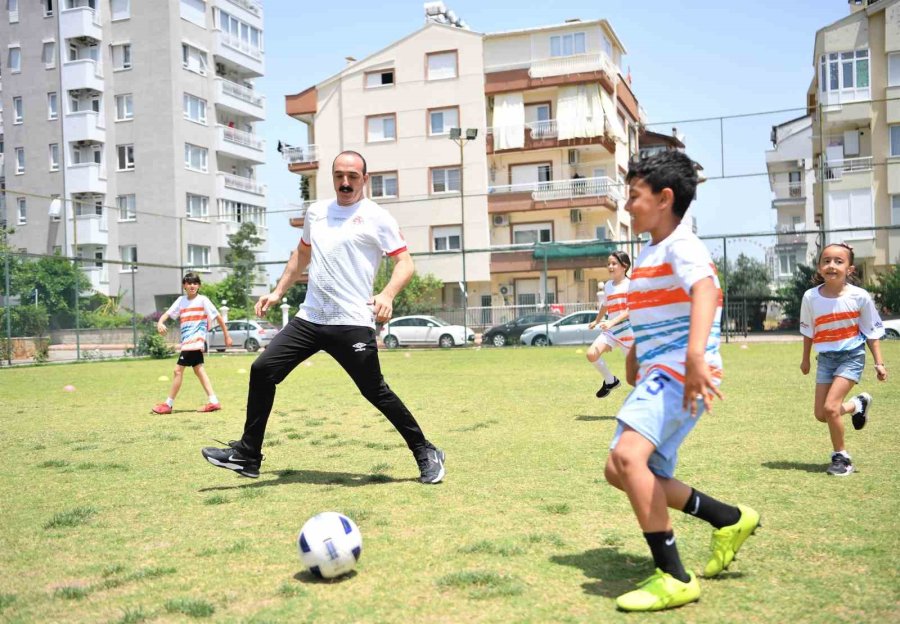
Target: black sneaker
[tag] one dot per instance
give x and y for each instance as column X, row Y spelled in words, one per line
column 606, row 388
column 431, row 464
column 841, row 466
column 861, row 416
column 233, row 459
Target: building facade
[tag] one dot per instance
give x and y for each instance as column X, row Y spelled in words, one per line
column 133, row 135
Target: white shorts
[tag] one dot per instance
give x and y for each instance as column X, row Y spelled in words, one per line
column 623, row 342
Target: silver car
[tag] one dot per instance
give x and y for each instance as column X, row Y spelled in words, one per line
column 571, row 329
column 250, row 335
column 411, row 330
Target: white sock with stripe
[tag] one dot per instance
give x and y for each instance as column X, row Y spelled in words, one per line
column 601, row 366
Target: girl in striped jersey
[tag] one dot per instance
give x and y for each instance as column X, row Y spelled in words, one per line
column 838, row 319
column 616, row 328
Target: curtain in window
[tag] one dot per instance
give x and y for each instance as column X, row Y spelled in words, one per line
column 509, row 121
column 580, row 112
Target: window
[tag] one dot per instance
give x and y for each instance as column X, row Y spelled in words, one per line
column 383, row 185
column 128, row 253
column 124, row 107
column 895, row 209
column 125, row 157
column 48, row 54
column 195, row 157
column 18, row 114
column 52, row 106
column 119, row 9
column 442, row 119
column 446, row 238
column 844, row 75
column 194, row 11
column 15, row 60
column 193, row 59
column 198, row 257
column 895, row 140
column 197, row 207
column 381, row 128
column 13, row 7
column 126, row 207
column 54, row 157
column 48, row 7
column 55, row 209
column 894, row 69
column 441, row 65
column 383, row 78
column 121, row 56
column 21, row 211
column 194, row 108
column 532, row 233
column 20, row 160
column 239, row 35
column 567, row 45
column 445, row 180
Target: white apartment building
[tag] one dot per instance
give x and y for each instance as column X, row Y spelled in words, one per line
column 791, row 179
column 133, row 135
column 555, row 122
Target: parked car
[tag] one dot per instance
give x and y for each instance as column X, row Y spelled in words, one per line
column 571, row 329
column 412, row 330
column 508, row 333
column 248, row 334
column 892, row 329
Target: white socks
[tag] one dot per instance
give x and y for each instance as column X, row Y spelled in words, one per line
column 601, row 366
column 213, row 399
column 170, row 401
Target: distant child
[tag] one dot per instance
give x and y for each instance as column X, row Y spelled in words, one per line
column 616, row 329
column 674, row 304
column 194, row 311
column 839, row 319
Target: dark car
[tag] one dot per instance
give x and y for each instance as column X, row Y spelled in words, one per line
column 508, row 333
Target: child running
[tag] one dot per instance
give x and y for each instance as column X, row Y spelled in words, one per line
column 674, row 305
column 839, row 319
column 194, row 311
column 616, row 328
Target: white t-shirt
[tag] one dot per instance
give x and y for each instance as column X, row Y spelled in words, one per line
column 839, row 323
column 194, row 315
column 617, row 302
column 347, row 245
column 659, row 303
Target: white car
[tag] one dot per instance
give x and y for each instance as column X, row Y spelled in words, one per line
column 429, row 330
column 250, row 335
column 892, row 329
column 571, row 329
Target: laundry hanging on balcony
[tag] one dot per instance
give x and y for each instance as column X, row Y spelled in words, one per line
column 561, row 251
column 509, row 121
column 579, row 112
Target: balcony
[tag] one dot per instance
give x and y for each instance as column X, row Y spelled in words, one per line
column 240, row 52
column 252, row 7
column 787, row 193
column 92, row 229
column 227, row 228
column 848, row 173
column 554, row 190
column 544, row 135
column 80, row 22
column 240, row 144
column 241, row 100
column 239, row 189
column 302, row 158
column 84, row 126
column 82, row 74
column 789, row 234
column 546, row 72
column 86, row 178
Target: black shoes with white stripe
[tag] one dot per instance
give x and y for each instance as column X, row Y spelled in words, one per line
column 606, row 388
column 431, row 464
column 861, row 415
column 232, row 458
column 841, row 466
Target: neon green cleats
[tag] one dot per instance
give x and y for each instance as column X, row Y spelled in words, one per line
column 660, row 591
column 728, row 540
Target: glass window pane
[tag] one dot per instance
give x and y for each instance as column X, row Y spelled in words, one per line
column 895, row 140
column 833, row 76
column 847, row 75
column 390, row 186
column 862, row 73
column 555, row 47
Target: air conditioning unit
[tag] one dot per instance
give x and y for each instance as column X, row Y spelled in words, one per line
column 500, row 219
column 505, row 289
column 801, row 162
column 579, row 275
column 575, row 215
column 573, row 156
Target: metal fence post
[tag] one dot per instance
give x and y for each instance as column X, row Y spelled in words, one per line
column 133, row 314
column 725, row 289
column 8, row 311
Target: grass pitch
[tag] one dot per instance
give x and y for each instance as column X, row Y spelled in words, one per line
column 110, row 514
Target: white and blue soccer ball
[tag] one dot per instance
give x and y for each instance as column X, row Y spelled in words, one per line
column 329, row 544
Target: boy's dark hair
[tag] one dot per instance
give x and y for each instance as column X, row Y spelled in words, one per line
column 623, row 259
column 670, row 169
column 852, row 278
column 190, row 278
column 352, row 153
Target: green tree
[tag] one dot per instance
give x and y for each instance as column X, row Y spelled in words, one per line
column 418, row 296
column 793, row 292
column 236, row 287
column 304, row 188
column 57, row 280
column 886, row 290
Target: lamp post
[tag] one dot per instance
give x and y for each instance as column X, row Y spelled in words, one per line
column 460, row 138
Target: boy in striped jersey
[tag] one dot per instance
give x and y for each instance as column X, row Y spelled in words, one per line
column 194, row 312
column 674, row 308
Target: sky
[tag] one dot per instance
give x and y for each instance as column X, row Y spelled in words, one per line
column 688, row 60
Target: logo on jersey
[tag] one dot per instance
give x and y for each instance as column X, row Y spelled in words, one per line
column 357, row 220
column 359, row 347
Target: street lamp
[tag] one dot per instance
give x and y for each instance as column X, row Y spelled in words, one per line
column 457, row 136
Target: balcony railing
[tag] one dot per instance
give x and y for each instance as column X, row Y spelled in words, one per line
column 235, row 42
column 253, row 6
column 242, row 138
column 835, row 169
column 788, row 190
column 545, row 129
column 564, row 189
column 241, row 183
column 573, row 64
column 790, row 233
column 241, row 92
column 301, row 154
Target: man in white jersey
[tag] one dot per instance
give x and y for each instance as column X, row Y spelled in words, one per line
column 342, row 242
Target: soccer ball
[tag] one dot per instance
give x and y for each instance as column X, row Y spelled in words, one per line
column 329, row 544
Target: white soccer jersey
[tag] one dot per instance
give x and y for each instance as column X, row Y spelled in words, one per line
column 839, row 323
column 194, row 315
column 616, row 303
column 347, row 245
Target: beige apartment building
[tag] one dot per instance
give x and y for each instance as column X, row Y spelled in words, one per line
column 854, row 102
column 556, row 123
column 130, row 135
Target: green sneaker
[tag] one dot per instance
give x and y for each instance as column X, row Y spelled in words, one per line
column 728, row 540
column 660, row 591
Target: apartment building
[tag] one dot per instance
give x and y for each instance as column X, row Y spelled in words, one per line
column 854, row 102
column 551, row 125
column 130, row 133
column 791, row 179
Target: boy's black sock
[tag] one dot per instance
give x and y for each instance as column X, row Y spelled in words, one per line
column 715, row 512
column 665, row 554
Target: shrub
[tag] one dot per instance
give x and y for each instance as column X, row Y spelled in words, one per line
column 154, row 345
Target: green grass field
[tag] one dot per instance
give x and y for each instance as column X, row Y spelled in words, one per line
column 110, row 514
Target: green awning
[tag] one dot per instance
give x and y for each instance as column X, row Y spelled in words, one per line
column 561, row 251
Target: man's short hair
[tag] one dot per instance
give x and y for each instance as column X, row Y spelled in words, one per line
column 190, row 278
column 351, row 153
column 669, row 169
